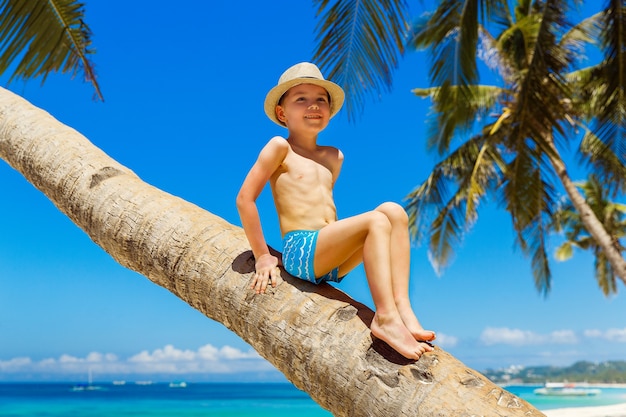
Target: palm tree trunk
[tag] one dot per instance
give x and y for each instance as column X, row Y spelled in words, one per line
column 587, row 216
column 317, row 336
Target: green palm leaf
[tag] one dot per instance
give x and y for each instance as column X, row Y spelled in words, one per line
column 452, row 33
column 454, row 113
column 543, row 91
column 565, row 251
column 360, row 44
column 528, row 195
column 38, row 37
column 446, row 205
column 610, row 168
column 586, row 32
column 610, row 121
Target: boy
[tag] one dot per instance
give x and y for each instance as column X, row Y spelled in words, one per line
column 316, row 245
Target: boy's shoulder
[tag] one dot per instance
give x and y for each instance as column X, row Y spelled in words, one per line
column 332, row 152
column 277, row 144
column 278, row 141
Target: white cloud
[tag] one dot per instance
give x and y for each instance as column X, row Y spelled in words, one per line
column 563, row 337
column 611, row 335
column 593, row 333
column 16, row 363
column 168, row 354
column 205, row 353
column 207, row 359
column 517, row 337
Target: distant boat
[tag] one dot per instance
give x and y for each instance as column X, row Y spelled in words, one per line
column 87, row 387
column 122, row 382
column 143, row 382
column 178, row 384
column 567, row 389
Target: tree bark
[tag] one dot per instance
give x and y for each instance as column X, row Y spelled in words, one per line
column 316, row 335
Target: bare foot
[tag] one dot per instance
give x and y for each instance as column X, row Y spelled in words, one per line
column 412, row 323
column 395, row 334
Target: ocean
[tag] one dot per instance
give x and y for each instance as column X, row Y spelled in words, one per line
column 206, row 399
column 157, row 400
column 608, row 396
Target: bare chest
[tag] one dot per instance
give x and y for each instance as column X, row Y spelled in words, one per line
column 300, row 171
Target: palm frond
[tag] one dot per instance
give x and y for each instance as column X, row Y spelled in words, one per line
column 544, row 96
column 451, row 195
column 491, row 55
column 604, row 274
column 38, row 37
column 585, row 95
column 452, row 34
column 565, row 251
column 610, row 121
column 536, row 235
column 529, row 196
column 586, row 32
column 527, row 191
column 359, row 45
column 516, row 42
column 609, row 167
column 454, row 114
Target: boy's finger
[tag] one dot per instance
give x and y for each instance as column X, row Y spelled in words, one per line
column 276, row 278
column 256, row 283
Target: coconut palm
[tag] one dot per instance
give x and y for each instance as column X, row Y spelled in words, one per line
column 525, row 120
column 542, row 96
column 567, row 220
column 207, row 263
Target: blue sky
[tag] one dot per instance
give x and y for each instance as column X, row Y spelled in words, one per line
column 183, row 89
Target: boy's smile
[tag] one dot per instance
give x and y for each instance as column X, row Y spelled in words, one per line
column 304, row 102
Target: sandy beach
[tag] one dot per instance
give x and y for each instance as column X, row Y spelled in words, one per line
column 617, row 410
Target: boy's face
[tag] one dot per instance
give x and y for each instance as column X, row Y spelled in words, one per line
column 305, row 106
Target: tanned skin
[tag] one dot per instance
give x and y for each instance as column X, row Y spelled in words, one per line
column 302, row 175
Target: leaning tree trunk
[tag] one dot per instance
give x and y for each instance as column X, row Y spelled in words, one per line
column 317, row 336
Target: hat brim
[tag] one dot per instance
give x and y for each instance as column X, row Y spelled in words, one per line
column 271, row 100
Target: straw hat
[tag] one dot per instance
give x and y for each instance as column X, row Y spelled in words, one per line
column 302, row 73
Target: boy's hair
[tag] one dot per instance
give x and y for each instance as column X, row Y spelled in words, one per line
column 302, row 73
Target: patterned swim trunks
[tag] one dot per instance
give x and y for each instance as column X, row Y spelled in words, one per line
column 298, row 256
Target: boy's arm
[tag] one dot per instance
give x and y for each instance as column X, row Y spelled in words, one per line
column 267, row 163
column 337, row 163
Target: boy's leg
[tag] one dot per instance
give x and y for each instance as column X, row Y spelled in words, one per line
column 369, row 234
column 400, row 268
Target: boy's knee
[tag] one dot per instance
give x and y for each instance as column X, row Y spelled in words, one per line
column 379, row 220
column 394, row 211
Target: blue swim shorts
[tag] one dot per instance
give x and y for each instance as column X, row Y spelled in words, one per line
column 298, row 256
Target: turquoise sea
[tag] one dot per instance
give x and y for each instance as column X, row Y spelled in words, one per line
column 608, row 396
column 210, row 399
column 157, row 400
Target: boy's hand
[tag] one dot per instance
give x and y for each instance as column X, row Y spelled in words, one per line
column 267, row 272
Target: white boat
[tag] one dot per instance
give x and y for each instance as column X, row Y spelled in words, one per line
column 143, row 382
column 87, row 387
column 182, row 384
column 567, row 389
